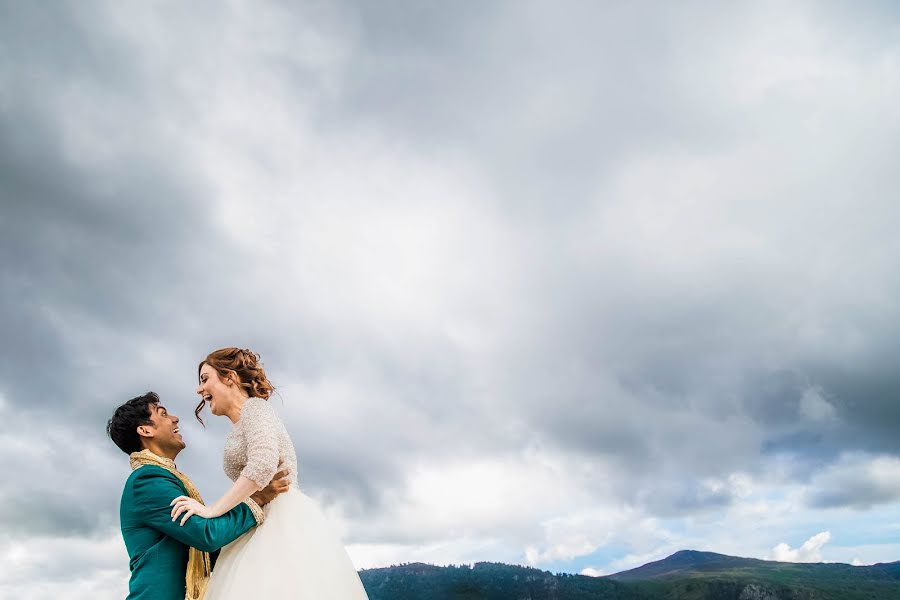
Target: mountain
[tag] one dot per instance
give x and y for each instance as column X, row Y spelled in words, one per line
column 693, row 563
column 689, row 563
column 686, row 575
column 691, row 569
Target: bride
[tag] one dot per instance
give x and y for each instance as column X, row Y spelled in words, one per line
column 294, row 553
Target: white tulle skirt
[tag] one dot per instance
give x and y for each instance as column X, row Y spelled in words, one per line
column 295, row 553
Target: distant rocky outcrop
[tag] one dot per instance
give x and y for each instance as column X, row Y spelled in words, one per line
column 757, row 592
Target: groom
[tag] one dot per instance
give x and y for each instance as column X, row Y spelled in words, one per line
column 170, row 561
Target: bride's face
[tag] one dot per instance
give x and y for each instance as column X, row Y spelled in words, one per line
column 219, row 393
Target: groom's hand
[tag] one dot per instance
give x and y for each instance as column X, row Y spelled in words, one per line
column 279, row 484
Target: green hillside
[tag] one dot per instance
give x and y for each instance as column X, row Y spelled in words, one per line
column 690, row 574
column 490, row 581
column 686, row 575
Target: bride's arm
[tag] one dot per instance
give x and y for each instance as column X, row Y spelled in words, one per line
column 187, row 505
column 240, row 491
column 260, row 426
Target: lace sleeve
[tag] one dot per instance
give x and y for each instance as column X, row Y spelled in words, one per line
column 260, row 425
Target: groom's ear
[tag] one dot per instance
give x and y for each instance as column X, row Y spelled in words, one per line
column 145, row 431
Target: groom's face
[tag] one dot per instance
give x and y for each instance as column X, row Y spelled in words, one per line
column 164, row 429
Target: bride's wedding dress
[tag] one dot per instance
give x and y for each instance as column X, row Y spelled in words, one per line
column 295, row 553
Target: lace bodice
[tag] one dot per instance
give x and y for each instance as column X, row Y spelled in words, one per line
column 257, row 444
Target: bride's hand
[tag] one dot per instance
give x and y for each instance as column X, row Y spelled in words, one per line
column 189, row 506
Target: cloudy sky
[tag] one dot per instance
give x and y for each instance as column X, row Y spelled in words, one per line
column 572, row 285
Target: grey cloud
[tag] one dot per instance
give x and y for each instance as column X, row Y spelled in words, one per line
column 858, row 481
column 62, row 478
column 865, row 392
column 639, row 338
column 864, row 497
column 685, row 498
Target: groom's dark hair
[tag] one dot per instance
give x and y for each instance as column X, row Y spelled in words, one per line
column 122, row 428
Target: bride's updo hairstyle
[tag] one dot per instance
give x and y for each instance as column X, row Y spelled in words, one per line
column 243, row 363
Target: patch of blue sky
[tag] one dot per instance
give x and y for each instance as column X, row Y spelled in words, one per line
column 875, row 526
column 599, row 559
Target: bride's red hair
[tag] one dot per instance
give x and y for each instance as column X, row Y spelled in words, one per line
column 242, row 363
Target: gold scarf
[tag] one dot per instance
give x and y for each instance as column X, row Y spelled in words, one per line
column 199, row 566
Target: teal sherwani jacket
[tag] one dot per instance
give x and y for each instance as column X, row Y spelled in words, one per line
column 157, row 546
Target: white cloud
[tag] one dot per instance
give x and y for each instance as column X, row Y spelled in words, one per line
column 581, row 533
column 865, row 553
column 460, row 506
column 810, row 551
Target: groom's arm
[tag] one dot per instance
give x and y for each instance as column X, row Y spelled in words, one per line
column 154, row 488
column 279, row 485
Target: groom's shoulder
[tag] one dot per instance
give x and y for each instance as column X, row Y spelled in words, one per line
column 150, row 476
column 148, row 488
column 149, row 471
column 147, row 493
